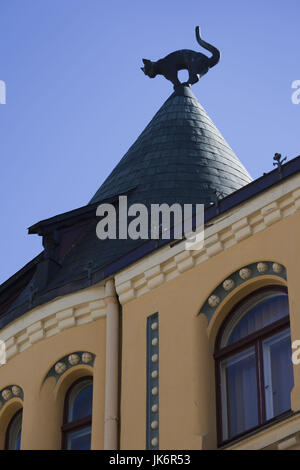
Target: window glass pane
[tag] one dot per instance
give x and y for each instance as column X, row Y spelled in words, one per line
column 18, row 441
column 80, row 401
column 266, row 311
column 278, row 373
column 14, row 432
column 239, row 393
column 80, row 440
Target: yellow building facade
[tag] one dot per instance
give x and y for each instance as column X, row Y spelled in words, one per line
column 146, row 335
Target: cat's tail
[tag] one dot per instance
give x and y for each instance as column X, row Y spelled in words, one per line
column 216, row 54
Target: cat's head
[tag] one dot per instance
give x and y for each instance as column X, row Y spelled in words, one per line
column 149, row 68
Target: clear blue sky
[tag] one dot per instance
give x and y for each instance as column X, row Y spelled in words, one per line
column 77, row 99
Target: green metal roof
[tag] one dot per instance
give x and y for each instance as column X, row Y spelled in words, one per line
column 179, row 157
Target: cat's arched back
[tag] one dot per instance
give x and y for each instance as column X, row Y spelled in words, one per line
column 196, row 63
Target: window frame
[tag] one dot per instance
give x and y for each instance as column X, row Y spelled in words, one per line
column 68, row 427
column 8, row 429
column 255, row 340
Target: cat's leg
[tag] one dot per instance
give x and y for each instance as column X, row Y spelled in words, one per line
column 173, row 78
column 193, row 77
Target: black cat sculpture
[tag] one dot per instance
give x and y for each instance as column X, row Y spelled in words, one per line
column 196, row 63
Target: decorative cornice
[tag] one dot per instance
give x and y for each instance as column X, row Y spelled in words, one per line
column 51, row 319
column 70, row 360
column 226, row 231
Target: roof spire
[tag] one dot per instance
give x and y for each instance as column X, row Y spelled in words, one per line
column 179, row 158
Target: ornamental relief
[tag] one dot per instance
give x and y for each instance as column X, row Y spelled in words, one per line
column 236, row 279
column 69, row 361
column 7, row 393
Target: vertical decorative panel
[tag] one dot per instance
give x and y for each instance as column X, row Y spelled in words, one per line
column 152, row 431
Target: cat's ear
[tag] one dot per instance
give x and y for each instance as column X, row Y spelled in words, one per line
column 146, row 61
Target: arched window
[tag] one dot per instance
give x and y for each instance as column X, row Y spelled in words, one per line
column 13, row 433
column 77, row 427
column 254, row 364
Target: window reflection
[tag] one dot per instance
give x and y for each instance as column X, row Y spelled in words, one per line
column 80, row 440
column 239, row 392
column 13, row 434
column 80, row 401
column 77, row 427
column 278, row 373
column 254, row 363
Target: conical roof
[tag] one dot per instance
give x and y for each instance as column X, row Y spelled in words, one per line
column 179, row 157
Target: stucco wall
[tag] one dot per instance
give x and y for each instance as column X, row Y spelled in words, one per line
column 43, row 399
column 176, row 284
column 187, row 389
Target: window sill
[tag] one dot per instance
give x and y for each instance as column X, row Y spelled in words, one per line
column 284, row 417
